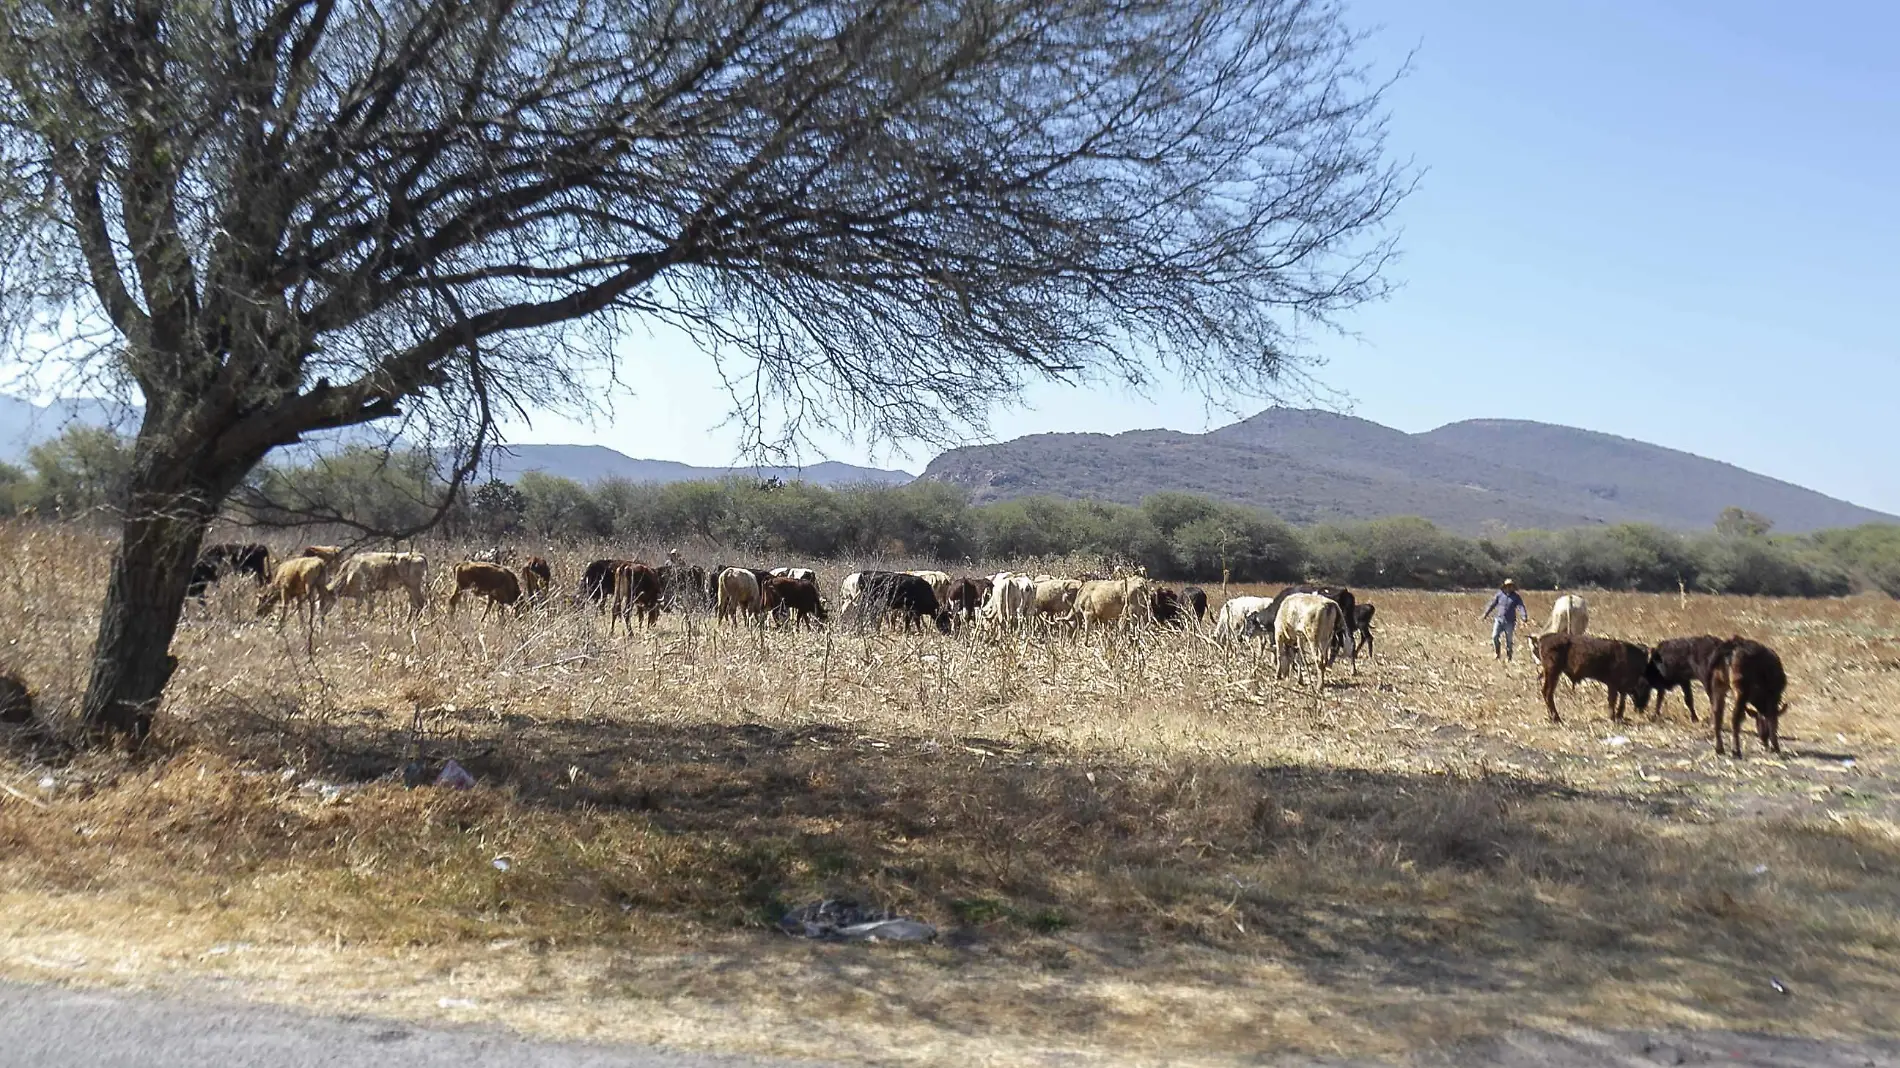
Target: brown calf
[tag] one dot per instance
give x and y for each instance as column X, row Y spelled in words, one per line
column 1752, row 673
column 797, row 594
column 1617, row 665
column 597, row 583
column 967, row 595
column 637, row 592
column 494, row 582
column 1682, row 662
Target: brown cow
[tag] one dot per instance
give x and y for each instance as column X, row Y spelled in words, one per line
column 1621, row 666
column 1752, row 673
column 967, row 595
column 683, row 587
column 536, row 577
column 494, row 582
column 305, row 581
column 597, row 583
column 637, row 592
column 1682, row 662
column 796, row 594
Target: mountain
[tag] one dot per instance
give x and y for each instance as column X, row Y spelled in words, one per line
column 1649, row 478
column 1313, row 466
column 1303, row 466
column 594, row 463
column 24, row 424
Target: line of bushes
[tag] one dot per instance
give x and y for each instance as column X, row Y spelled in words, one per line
column 1177, row 536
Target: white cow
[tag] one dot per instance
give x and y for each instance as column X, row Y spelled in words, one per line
column 738, row 593
column 1231, row 620
column 1011, row 603
column 848, row 591
column 1570, row 615
column 805, row 573
column 365, row 575
column 1305, row 626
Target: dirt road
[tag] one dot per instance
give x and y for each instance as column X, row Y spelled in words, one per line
column 57, row 1027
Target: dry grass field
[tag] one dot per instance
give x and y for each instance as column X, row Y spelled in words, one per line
column 1138, row 850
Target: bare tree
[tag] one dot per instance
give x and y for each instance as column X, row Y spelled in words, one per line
column 276, row 217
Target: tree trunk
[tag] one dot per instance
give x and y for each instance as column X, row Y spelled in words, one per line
column 132, row 661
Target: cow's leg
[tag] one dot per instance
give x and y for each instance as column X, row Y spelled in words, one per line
column 309, row 628
column 1550, row 690
column 1688, row 699
column 1718, row 692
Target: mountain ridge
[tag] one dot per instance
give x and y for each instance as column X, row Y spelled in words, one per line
column 1473, row 476
column 596, row 463
column 1481, row 475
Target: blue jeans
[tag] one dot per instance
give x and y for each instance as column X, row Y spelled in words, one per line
column 1503, row 633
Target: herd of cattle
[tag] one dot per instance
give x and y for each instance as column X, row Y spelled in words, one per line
column 1307, row 624
column 1739, row 668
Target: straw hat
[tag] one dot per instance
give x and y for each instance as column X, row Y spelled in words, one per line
column 1510, row 584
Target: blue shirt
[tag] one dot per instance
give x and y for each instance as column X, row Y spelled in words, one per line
column 1508, row 605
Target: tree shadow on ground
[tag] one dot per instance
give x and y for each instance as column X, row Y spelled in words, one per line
column 1412, row 885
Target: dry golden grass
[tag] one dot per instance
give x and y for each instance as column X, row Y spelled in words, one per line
column 1138, row 850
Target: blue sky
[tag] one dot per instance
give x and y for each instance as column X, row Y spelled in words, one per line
column 1675, row 221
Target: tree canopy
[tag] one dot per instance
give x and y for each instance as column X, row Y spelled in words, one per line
column 276, row 217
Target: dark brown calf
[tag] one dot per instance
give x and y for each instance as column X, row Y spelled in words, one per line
column 796, row 594
column 967, row 595
column 1362, row 628
column 1751, row 673
column 1682, row 662
column 597, row 583
column 637, row 592
column 1617, row 665
column 227, row 558
column 1168, row 608
column 1196, row 598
